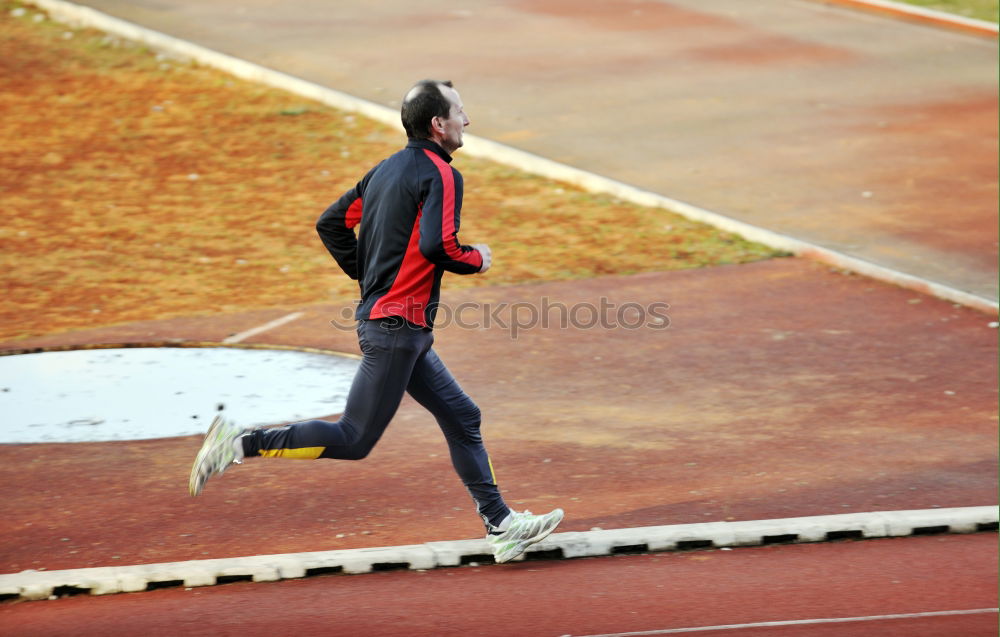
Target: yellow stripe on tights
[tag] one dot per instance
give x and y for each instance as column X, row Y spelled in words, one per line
column 303, row 453
column 492, row 473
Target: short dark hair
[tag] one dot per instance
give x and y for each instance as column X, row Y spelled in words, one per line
column 427, row 103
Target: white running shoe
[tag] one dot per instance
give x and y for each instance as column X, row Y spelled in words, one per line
column 217, row 453
column 524, row 530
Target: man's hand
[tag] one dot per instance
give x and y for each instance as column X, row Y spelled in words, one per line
column 487, row 256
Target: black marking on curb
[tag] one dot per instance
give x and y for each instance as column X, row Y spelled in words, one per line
column 231, row 579
column 834, row 536
column 550, row 554
column 630, row 549
column 391, row 566
column 324, row 570
column 784, row 538
column 695, row 545
column 931, row 530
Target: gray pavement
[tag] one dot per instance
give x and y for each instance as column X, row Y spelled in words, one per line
column 865, row 134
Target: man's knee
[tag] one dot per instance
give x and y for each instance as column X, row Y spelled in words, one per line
column 465, row 426
column 357, row 453
column 356, row 449
column 466, row 413
column 470, row 421
column 359, row 446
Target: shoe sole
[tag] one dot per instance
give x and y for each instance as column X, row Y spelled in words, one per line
column 195, row 482
column 535, row 540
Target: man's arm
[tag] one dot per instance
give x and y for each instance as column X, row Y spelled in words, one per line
column 336, row 228
column 439, row 223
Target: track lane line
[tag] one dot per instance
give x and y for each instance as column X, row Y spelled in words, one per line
column 798, row 622
column 270, row 325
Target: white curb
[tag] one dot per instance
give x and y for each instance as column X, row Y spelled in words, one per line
column 38, row 585
column 85, row 16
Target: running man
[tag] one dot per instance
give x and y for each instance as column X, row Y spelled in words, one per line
column 406, row 211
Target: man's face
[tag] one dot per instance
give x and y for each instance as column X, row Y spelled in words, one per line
column 454, row 125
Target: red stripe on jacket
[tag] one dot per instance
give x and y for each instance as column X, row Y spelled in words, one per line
column 353, row 215
column 449, row 239
column 410, row 293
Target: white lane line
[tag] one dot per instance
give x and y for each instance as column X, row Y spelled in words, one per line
column 240, row 337
column 800, row 622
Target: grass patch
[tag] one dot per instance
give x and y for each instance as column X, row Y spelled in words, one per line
column 979, row 9
column 140, row 187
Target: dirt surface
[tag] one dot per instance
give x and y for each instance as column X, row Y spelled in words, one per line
column 779, row 389
column 580, row 597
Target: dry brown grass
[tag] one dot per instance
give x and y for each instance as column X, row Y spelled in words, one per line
column 138, row 188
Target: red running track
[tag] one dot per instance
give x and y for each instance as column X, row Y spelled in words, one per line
column 597, row 596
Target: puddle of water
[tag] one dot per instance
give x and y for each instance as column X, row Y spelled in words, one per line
column 159, row 392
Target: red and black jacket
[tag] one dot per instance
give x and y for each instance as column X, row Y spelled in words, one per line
column 407, row 212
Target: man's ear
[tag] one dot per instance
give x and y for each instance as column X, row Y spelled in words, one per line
column 437, row 124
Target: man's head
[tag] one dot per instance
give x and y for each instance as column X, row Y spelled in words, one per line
column 433, row 110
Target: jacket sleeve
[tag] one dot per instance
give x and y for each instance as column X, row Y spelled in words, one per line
column 439, row 223
column 336, row 229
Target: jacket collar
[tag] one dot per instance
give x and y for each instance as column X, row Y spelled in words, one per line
column 431, row 146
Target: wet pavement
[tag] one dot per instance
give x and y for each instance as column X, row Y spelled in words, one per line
column 136, row 393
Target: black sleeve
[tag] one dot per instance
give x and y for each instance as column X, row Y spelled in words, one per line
column 336, row 229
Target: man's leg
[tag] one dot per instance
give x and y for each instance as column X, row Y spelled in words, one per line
column 509, row 533
column 390, row 349
column 433, row 386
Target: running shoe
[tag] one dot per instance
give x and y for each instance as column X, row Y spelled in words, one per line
column 217, row 453
column 524, row 530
